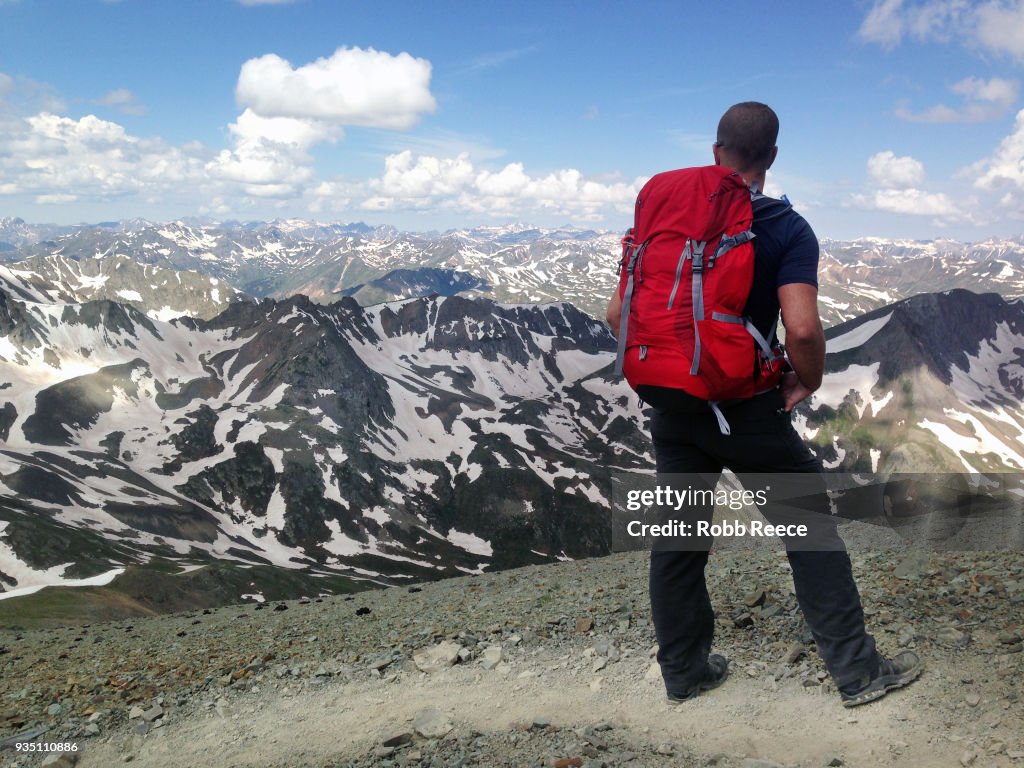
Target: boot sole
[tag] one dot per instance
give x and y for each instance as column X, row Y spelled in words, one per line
column 882, row 685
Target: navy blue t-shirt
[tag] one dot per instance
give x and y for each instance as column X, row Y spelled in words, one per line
column 785, row 251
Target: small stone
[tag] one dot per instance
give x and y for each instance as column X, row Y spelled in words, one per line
column 756, row 762
column 599, row 664
column 59, row 760
column 441, row 656
column 584, row 625
column 431, row 723
column 91, row 729
column 540, row 723
column 771, row 611
column 743, row 620
column 1008, row 637
column 135, row 713
column 153, row 713
column 968, row 758
column 795, row 652
column 665, row 749
column 757, row 597
column 569, row 762
column 514, row 640
column 396, row 739
column 973, row 700
column 492, row 657
column 141, row 729
column 834, row 762
column 54, row 709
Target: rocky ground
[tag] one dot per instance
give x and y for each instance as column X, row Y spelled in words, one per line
column 541, row 666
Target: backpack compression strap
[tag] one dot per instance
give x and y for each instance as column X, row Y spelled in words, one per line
column 634, row 253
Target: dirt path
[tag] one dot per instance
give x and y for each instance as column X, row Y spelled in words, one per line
column 746, row 718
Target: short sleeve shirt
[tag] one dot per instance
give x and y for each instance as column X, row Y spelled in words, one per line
column 786, row 251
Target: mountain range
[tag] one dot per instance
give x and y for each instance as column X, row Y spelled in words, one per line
column 512, row 264
column 412, row 439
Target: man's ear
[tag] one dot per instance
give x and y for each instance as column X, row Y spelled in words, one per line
column 714, row 151
column 775, row 153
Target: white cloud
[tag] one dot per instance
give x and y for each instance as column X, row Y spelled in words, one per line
column 123, row 100
column 914, row 202
column 1000, row 28
column 896, row 182
column 351, row 87
column 883, row 24
column 56, row 199
column 1006, row 164
column 270, row 156
column 995, row 26
column 60, row 159
column 887, row 170
column 423, row 182
column 985, row 100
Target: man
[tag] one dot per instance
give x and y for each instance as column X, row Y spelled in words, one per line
column 761, row 439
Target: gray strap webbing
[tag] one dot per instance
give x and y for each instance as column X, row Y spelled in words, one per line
column 762, row 342
column 698, row 301
column 726, row 244
column 723, row 425
column 751, row 329
column 679, row 273
column 627, row 298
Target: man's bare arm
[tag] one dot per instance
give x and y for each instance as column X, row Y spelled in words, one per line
column 805, row 341
column 614, row 313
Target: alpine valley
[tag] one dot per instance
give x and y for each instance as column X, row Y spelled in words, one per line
column 196, row 413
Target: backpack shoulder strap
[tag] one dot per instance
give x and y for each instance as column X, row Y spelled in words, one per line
column 766, row 208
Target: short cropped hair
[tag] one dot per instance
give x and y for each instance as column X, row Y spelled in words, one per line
column 748, row 131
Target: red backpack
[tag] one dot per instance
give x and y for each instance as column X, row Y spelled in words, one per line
column 686, row 272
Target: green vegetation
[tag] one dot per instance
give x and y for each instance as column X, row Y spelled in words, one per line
column 159, row 587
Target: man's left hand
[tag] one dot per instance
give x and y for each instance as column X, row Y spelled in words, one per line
column 793, row 390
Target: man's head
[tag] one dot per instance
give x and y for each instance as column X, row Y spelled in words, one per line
column 746, row 138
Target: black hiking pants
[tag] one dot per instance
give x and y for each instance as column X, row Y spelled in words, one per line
column 762, row 440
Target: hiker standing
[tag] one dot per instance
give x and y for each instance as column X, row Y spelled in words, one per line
column 706, row 270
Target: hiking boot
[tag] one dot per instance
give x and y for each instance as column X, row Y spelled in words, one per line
column 892, row 673
column 715, row 673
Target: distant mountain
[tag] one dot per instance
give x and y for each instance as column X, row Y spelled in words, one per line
column 933, row 383
column 518, row 264
column 412, row 439
column 159, row 292
column 15, row 233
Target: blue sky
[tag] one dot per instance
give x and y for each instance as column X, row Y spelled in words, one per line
column 900, row 118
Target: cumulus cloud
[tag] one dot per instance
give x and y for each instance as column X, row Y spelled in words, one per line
column 995, row 26
column 1006, row 164
column 983, row 100
column 351, row 87
column 914, row 202
column 60, row 159
column 897, row 181
column 887, row 170
column 412, row 182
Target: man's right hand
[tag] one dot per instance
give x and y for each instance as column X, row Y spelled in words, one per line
column 793, row 390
